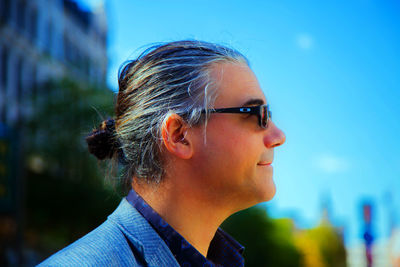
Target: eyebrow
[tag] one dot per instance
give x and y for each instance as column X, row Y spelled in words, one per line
column 254, row 102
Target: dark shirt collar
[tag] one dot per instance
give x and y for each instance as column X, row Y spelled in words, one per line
column 223, row 250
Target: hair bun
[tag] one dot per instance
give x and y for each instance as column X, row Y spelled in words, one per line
column 102, row 142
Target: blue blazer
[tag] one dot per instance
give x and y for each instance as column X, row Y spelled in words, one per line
column 124, row 239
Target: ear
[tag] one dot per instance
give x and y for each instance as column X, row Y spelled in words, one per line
column 174, row 136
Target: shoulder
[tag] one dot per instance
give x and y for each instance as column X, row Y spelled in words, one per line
column 107, row 245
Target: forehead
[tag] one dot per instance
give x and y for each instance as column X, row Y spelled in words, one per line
column 236, row 85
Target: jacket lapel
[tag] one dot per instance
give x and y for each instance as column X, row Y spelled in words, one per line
column 142, row 236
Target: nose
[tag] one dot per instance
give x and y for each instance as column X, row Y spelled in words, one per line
column 273, row 136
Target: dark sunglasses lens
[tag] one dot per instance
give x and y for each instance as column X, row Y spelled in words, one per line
column 264, row 116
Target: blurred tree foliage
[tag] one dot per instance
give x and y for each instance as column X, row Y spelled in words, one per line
column 276, row 242
column 321, row 246
column 66, row 191
column 267, row 242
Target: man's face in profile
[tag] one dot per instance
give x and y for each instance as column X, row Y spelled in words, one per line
column 237, row 155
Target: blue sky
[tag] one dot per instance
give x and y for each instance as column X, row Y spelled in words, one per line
column 331, row 72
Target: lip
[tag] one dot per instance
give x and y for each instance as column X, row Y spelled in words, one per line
column 264, row 163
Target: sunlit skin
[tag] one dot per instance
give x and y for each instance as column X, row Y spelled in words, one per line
column 215, row 170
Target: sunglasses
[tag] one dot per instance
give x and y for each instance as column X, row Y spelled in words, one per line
column 263, row 113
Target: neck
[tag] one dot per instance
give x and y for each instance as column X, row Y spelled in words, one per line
column 192, row 215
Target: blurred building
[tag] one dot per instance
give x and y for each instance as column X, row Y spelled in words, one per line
column 44, row 39
column 40, row 40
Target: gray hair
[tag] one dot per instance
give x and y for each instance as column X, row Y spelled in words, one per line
column 163, row 80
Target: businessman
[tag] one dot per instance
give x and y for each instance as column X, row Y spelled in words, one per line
column 194, row 135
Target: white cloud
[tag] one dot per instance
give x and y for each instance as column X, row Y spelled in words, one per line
column 331, row 164
column 304, row 41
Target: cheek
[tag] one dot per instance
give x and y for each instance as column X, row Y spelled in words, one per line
column 228, row 151
column 232, row 157
column 230, row 137
column 229, row 148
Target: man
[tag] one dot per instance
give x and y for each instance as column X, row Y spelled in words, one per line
column 194, row 133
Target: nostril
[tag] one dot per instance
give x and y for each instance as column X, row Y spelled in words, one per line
column 275, row 137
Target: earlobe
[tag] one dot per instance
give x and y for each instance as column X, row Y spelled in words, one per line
column 174, row 136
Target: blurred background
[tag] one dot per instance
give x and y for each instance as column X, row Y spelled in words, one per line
column 329, row 69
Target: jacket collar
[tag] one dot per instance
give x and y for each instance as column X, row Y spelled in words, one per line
column 142, row 236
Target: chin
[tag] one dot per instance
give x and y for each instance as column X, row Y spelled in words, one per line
column 271, row 195
column 265, row 188
column 268, row 192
